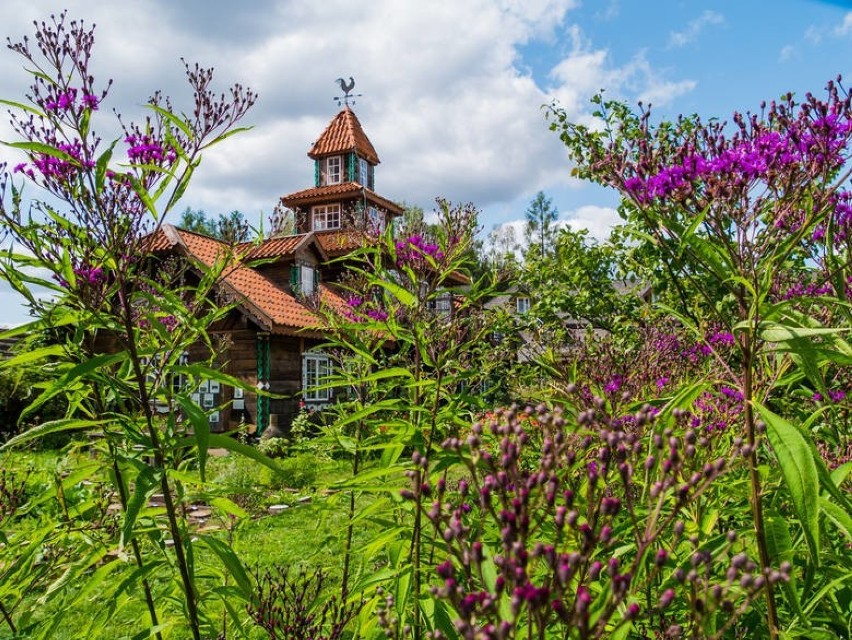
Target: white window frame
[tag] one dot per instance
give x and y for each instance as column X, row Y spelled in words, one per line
column 364, row 172
column 325, row 217
column 316, row 366
column 444, row 304
column 522, row 305
column 333, row 170
column 307, row 279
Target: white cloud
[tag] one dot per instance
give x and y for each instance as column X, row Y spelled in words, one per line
column 694, row 28
column 587, row 70
column 845, row 27
column 787, row 52
column 448, row 104
column 598, row 220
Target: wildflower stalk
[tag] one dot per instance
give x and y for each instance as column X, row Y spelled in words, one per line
column 159, row 464
column 756, row 493
column 8, row 618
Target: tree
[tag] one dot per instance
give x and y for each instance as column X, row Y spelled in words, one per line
column 500, row 250
column 232, row 228
column 541, row 228
column 197, row 222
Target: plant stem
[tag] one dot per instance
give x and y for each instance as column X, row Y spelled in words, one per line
column 755, row 494
column 347, row 552
column 137, row 552
column 159, row 463
column 8, row 619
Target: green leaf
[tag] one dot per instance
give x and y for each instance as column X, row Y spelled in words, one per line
column 54, row 426
column 799, row 471
column 782, row 333
column 200, row 428
column 839, row 516
column 64, row 381
column 404, row 296
column 841, row 473
column 232, row 564
column 33, row 356
column 780, row 546
column 144, row 485
column 227, row 442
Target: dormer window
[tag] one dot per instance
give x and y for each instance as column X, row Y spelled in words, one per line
column 326, row 216
column 333, row 170
column 304, row 280
column 364, row 172
column 522, row 305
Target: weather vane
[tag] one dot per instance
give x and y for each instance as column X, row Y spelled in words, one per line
column 346, row 88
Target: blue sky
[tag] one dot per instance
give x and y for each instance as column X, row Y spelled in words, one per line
column 452, row 89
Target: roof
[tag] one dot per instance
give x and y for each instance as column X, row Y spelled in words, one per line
column 266, row 303
column 344, row 134
column 336, row 243
column 316, row 195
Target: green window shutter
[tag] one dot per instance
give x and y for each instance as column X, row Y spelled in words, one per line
column 316, row 281
column 316, row 173
column 294, row 278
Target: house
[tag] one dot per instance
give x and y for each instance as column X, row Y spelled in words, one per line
column 518, row 305
column 273, row 336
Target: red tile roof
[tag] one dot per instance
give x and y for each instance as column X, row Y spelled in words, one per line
column 344, row 134
column 272, row 307
column 336, row 243
column 341, row 190
column 275, row 247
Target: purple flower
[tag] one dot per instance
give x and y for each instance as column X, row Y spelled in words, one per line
column 836, row 395
column 725, row 338
column 90, row 101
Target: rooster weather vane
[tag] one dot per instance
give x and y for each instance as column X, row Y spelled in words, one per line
column 346, row 88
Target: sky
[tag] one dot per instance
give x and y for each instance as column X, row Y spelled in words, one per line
column 451, row 91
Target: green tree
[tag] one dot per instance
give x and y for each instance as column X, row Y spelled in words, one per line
column 197, row 222
column 232, row 228
column 541, row 228
column 584, row 280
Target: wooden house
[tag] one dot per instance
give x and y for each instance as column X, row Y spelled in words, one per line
column 274, row 335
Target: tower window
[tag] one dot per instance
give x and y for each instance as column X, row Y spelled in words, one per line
column 364, row 172
column 333, row 170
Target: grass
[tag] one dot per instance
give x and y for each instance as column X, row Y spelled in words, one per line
column 311, row 532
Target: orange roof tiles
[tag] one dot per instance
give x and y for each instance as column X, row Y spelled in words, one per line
column 343, row 189
column 344, row 134
column 265, row 302
column 336, row 243
column 275, row 247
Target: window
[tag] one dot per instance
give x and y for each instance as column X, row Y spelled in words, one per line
column 162, row 385
column 333, row 167
column 306, row 285
column 304, row 279
column 326, row 216
column 364, row 172
column 444, row 304
column 316, row 368
column 522, row 305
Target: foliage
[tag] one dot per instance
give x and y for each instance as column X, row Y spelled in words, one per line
column 286, row 606
column 231, row 228
column 738, row 214
column 117, row 330
column 540, row 229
